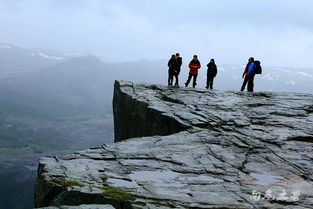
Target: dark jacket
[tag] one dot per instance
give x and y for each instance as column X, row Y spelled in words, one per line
column 212, row 70
column 179, row 62
column 194, row 66
column 173, row 65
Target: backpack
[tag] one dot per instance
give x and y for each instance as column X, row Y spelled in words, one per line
column 257, row 68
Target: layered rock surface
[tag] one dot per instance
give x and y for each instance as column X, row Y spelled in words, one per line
column 194, row 149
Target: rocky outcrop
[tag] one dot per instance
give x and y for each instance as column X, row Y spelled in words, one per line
column 212, row 150
column 139, row 113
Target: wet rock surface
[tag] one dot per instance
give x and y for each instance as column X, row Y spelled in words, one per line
column 214, row 150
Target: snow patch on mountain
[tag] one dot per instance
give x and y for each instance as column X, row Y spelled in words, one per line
column 285, row 71
column 268, row 76
column 304, row 74
column 5, row 46
column 50, row 57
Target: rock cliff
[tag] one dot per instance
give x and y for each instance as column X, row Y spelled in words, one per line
column 193, row 149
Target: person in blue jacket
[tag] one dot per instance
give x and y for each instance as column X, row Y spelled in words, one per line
column 251, row 75
column 245, row 74
column 248, row 75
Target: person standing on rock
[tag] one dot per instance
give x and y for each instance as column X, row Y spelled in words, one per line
column 251, row 74
column 177, row 71
column 194, row 66
column 172, row 68
column 246, row 76
column 212, row 71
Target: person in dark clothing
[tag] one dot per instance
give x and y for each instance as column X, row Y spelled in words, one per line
column 246, row 76
column 179, row 64
column 212, row 71
column 194, row 66
column 172, row 68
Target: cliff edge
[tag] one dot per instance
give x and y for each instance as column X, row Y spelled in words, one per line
column 191, row 148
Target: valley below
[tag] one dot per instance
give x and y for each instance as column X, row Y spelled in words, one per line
column 19, row 158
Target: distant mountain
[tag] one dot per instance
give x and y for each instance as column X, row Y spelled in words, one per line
column 85, row 84
column 50, row 83
column 57, row 108
column 65, row 105
column 74, row 86
column 78, row 85
column 16, row 60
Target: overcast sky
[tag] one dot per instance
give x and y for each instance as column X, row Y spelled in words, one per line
column 278, row 32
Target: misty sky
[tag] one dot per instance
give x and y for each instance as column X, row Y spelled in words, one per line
column 278, row 32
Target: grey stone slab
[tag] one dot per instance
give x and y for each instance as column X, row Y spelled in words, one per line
column 182, row 147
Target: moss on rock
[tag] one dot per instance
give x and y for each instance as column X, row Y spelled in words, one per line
column 66, row 183
column 116, row 193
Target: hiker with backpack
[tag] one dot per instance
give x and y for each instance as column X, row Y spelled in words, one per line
column 194, row 66
column 245, row 74
column 252, row 68
column 172, row 69
column 211, row 73
column 177, row 71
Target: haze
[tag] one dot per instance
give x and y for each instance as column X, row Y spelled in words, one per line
column 58, row 101
column 278, row 32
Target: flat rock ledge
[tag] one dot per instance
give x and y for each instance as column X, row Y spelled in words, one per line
column 191, row 148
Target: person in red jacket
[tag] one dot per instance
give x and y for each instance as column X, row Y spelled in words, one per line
column 194, row 66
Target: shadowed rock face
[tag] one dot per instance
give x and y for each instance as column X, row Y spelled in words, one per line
column 212, row 150
column 134, row 118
